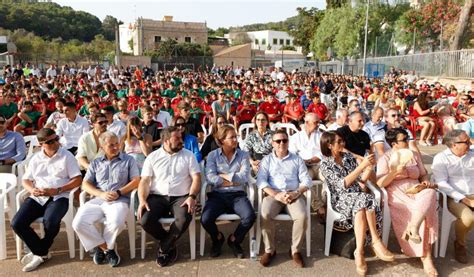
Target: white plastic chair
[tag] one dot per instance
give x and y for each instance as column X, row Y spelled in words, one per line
column 447, row 218
column 130, row 222
column 19, row 168
column 226, row 217
column 170, row 220
column 7, row 195
column 289, row 127
column 285, row 217
column 332, row 216
column 244, row 131
column 67, row 219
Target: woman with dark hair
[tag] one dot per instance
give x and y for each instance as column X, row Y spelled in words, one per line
column 211, row 143
column 259, row 142
column 137, row 143
column 346, row 180
column 422, row 113
column 227, row 171
column 190, row 141
column 414, row 216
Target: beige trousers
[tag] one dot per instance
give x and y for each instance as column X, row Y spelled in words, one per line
column 465, row 219
column 297, row 210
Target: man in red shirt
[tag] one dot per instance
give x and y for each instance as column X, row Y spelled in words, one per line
column 245, row 111
column 293, row 111
column 318, row 108
column 272, row 108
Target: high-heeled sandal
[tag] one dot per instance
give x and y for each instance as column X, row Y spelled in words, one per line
column 411, row 234
column 382, row 252
column 430, row 270
column 362, row 267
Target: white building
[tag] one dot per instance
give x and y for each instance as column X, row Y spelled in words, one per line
column 269, row 40
column 126, row 34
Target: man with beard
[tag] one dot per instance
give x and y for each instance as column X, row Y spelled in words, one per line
column 170, row 183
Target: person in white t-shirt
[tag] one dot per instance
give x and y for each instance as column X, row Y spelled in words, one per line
column 170, row 183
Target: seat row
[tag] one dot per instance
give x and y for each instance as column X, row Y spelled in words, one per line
column 9, row 199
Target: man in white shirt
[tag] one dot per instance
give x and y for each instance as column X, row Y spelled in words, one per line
column 170, row 183
column 51, row 72
column 51, row 174
column 57, row 115
column 453, row 172
column 114, row 125
column 163, row 117
column 71, row 128
column 342, row 116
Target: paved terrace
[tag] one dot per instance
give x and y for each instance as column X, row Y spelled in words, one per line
column 227, row 265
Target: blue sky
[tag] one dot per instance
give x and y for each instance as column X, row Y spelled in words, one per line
column 223, row 13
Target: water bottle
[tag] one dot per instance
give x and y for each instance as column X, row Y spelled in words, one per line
column 253, row 249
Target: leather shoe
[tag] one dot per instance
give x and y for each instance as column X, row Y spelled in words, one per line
column 460, row 253
column 298, row 259
column 267, row 258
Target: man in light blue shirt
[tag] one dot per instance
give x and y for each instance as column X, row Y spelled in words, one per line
column 468, row 126
column 110, row 178
column 12, row 147
column 284, row 178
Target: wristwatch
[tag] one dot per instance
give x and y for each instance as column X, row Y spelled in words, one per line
column 193, row 196
column 119, row 192
column 58, row 190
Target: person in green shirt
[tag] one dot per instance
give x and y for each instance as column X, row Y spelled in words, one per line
column 196, row 111
column 170, row 92
column 28, row 117
column 9, row 109
column 84, row 110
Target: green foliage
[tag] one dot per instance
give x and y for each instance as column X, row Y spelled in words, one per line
column 171, row 48
column 108, row 27
column 305, row 26
column 241, row 38
column 50, row 20
column 288, row 47
column 334, row 4
column 219, row 32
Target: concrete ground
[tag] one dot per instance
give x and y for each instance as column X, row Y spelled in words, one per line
column 227, row 265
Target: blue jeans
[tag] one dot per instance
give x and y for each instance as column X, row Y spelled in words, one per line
column 219, row 203
column 52, row 213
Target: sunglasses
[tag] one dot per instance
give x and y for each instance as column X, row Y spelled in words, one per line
column 465, row 142
column 102, row 122
column 51, row 141
column 2, row 121
column 279, row 141
column 395, row 115
column 180, row 124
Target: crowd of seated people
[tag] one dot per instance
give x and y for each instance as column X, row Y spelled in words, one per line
column 121, row 129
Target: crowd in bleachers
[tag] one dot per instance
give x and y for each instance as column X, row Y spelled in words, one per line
column 329, row 141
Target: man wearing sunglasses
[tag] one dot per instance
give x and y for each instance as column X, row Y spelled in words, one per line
column 51, row 174
column 88, row 147
column 12, row 147
column 453, row 171
column 284, row 178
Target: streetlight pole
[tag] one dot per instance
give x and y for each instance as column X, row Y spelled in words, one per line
column 365, row 39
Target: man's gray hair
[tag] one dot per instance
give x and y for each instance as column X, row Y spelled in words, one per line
column 340, row 112
column 452, row 136
column 106, row 135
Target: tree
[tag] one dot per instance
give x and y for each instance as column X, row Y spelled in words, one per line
column 73, row 52
column 241, row 38
column 462, row 25
column 334, row 4
column 306, row 23
column 108, row 27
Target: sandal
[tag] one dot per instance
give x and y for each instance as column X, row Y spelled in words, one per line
column 361, row 267
column 382, row 252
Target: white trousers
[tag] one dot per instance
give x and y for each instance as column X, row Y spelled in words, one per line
column 112, row 214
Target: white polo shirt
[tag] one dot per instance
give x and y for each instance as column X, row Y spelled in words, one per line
column 70, row 132
column 164, row 118
column 304, row 146
column 117, row 127
column 170, row 174
column 54, row 172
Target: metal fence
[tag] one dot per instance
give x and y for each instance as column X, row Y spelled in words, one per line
column 459, row 64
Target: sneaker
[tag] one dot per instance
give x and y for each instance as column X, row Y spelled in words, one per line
column 27, row 258
column 216, row 248
column 236, row 248
column 99, row 256
column 33, row 264
column 112, row 257
column 165, row 259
